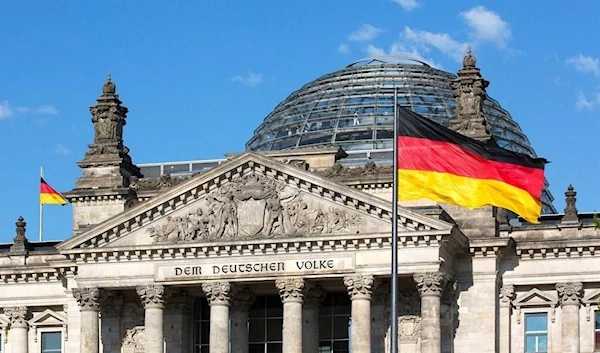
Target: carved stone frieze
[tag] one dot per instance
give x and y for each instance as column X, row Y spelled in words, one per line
column 158, row 183
column 430, row 283
column 17, row 315
column 370, row 168
column 133, row 341
column 152, row 296
column 254, row 206
column 87, row 298
column 360, row 287
column 507, row 294
column 409, row 317
column 570, row 293
column 217, row 293
column 291, row 289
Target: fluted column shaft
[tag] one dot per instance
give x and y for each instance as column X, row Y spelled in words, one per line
column 153, row 298
column 360, row 290
column 430, row 287
column 310, row 319
column 18, row 328
column 240, row 305
column 90, row 330
column 507, row 294
column 218, row 296
column 570, row 299
column 291, row 291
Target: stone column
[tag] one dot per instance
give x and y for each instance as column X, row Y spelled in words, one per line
column 360, row 290
column 310, row 319
column 240, row 305
column 153, row 299
column 507, row 294
column 19, row 328
column 110, row 323
column 218, row 296
column 89, row 329
column 430, row 287
column 569, row 295
column 291, row 291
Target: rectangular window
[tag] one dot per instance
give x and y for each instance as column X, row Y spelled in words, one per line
column 597, row 331
column 201, row 326
column 1, row 341
column 536, row 333
column 52, row 342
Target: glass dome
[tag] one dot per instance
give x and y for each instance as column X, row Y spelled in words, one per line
column 353, row 108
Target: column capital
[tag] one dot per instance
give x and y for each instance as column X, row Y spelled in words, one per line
column 87, row 298
column 569, row 293
column 291, row 289
column 430, row 283
column 217, row 293
column 507, row 294
column 314, row 297
column 241, row 299
column 17, row 315
column 360, row 287
column 152, row 296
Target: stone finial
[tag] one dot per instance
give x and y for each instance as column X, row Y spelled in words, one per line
column 569, row 293
column 20, row 240
column 217, row 293
column 87, row 298
column 152, row 296
column 17, row 315
column 430, row 283
column 570, row 202
column 469, row 92
column 360, row 287
column 109, row 87
column 291, row 289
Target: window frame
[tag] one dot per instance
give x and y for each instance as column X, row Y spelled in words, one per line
column 51, row 329
column 536, row 334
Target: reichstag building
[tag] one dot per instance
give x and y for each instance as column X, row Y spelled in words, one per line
column 286, row 247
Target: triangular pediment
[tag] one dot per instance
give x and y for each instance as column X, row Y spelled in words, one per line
column 48, row 318
column 534, row 297
column 592, row 297
column 251, row 197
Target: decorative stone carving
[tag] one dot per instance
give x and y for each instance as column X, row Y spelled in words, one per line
column 570, row 203
column 133, row 342
column 369, row 169
column 291, row 289
column 162, row 182
column 87, row 298
column 469, row 92
column 253, row 206
column 217, row 293
column 569, row 293
column 17, row 315
column 20, row 241
column 409, row 318
column 507, row 294
column 430, row 283
column 314, row 297
column 360, row 287
column 110, row 304
column 152, row 295
column 242, row 299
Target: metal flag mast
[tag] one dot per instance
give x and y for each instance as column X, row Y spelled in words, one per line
column 41, row 207
column 394, row 285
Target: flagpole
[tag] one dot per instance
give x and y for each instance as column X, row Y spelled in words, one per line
column 41, row 207
column 394, row 289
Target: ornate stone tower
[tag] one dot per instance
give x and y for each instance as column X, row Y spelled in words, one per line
column 469, row 92
column 103, row 189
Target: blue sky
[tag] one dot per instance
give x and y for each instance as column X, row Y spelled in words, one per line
column 199, row 76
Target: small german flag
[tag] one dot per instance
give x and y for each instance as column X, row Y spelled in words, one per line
column 49, row 196
column 439, row 164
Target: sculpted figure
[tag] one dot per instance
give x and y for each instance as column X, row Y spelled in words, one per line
column 229, row 216
column 275, row 215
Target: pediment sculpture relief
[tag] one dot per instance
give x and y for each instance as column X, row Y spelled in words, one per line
column 254, row 206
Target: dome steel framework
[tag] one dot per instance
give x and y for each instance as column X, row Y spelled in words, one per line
column 353, row 108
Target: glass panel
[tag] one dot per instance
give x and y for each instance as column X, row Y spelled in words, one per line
column 542, row 343
column 257, row 348
column 257, row 330
column 536, row 322
column 340, row 327
column 530, row 344
column 51, row 342
column 274, row 348
column 597, row 320
column 274, row 329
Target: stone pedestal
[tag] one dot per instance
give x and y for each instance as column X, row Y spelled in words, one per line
column 242, row 299
column 507, row 294
column 430, row 287
column 153, row 298
column 360, row 290
column 291, row 291
column 17, row 317
column 87, row 298
column 310, row 319
column 570, row 299
column 218, row 296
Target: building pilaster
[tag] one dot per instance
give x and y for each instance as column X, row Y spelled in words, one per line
column 360, row 289
column 507, row 294
column 153, row 299
column 291, row 291
column 87, row 298
column 569, row 295
column 218, row 295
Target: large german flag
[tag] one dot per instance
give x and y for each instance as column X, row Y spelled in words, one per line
column 49, row 196
column 442, row 165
